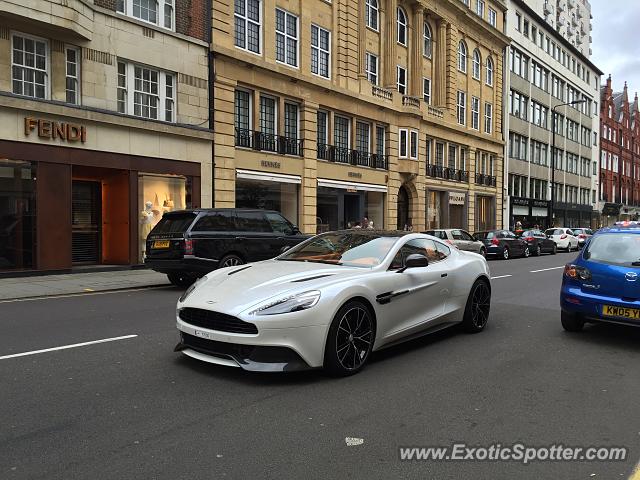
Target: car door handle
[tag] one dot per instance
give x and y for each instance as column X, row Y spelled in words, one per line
column 241, row 238
column 444, row 275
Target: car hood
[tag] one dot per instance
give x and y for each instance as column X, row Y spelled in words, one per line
column 235, row 289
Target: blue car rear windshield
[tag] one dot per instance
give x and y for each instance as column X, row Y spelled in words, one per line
column 615, row 248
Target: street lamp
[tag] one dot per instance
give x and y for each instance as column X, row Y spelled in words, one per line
column 553, row 160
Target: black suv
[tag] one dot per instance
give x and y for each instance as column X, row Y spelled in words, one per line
column 187, row 244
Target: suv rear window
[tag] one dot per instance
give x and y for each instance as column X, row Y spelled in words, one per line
column 555, row 231
column 483, row 235
column 174, row 223
column 215, row 222
column 615, row 248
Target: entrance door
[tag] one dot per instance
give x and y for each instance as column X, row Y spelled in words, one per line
column 86, row 231
column 352, row 209
column 403, row 208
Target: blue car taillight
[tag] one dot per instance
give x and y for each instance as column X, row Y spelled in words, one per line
column 576, row 272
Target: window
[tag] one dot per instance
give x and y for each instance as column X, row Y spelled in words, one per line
column 453, row 153
column 286, row 38
column 29, row 66
column 428, row 151
column 489, row 74
column 72, row 86
column 268, row 115
column 488, row 117
column 426, row 90
column 401, row 79
column 439, row 154
column 462, row 57
column 493, row 18
column 403, row 138
column 475, row 113
column 371, row 14
column 380, row 139
column 413, row 147
column 402, row 26
column 248, row 21
column 371, row 67
column 477, row 62
column 480, row 8
column 427, row 39
column 320, row 51
column 461, row 107
column 322, row 128
column 242, row 112
column 518, row 21
column 362, row 137
column 146, row 92
column 158, row 12
column 291, row 120
column 341, row 132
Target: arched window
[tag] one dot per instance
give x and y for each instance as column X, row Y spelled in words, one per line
column 428, row 45
column 477, row 64
column 489, row 75
column 371, row 14
column 402, row 27
column 462, row 57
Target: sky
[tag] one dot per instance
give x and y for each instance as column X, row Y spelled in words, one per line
column 616, row 42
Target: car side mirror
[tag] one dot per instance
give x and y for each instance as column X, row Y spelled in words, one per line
column 415, row 260
column 296, row 230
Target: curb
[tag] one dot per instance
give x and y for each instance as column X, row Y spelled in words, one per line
column 83, row 293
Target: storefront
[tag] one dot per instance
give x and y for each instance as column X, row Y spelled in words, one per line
column 485, row 213
column 269, row 191
column 348, row 204
column 529, row 212
column 446, row 209
column 571, row 215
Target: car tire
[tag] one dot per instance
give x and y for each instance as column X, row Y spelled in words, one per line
column 554, row 250
column 538, row 251
column 476, row 312
column 570, row 322
column 506, row 254
column 483, row 252
column 350, row 339
column 180, row 279
column 526, row 253
column 231, row 260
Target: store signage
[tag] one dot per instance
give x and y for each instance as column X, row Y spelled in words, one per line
column 524, row 202
column 355, row 174
column 456, row 198
column 68, row 132
column 352, row 190
column 611, row 209
column 540, row 203
column 270, row 164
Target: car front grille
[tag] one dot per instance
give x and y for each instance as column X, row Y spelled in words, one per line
column 216, row 321
column 213, row 347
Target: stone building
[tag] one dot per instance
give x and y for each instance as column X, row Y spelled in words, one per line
column 104, row 107
column 336, row 111
column 619, row 155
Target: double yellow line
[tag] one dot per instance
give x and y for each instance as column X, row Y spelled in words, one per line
column 635, row 475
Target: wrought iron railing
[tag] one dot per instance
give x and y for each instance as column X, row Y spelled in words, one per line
column 268, row 143
column 446, row 173
column 486, row 180
column 352, row 157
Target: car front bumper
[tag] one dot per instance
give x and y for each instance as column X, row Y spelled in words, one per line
column 270, row 350
column 589, row 306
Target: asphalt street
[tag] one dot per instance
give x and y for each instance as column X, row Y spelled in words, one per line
column 131, row 408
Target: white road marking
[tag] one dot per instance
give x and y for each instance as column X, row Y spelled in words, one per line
column 84, row 294
column 501, row 276
column 64, row 347
column 546, row 269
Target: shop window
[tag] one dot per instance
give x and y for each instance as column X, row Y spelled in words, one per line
column 29, row 63
column 267, row 195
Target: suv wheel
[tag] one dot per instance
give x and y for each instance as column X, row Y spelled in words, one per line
column 230, row 260
column 180, row 279
column 554, row 250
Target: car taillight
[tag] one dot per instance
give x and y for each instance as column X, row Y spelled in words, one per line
column 188, row 247
column 495, row 241
column 563, row 236
column 582, row 235
column 529, row 239
column 576, row 272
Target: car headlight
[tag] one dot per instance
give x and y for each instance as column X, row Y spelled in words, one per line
column 191, row 288
column 292, row 303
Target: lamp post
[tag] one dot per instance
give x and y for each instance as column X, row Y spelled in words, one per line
column 553, row 160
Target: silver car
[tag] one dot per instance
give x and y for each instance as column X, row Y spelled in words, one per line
column 459, row 238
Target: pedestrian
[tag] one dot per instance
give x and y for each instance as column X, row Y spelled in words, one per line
column 370, row 226
column 357, row 225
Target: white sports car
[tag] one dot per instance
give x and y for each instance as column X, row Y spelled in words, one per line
column 332, row 300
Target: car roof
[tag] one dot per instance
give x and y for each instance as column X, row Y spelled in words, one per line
column 620, row 229
column 212, row 210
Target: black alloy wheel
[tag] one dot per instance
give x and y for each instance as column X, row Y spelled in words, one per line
column 476, row 313
column 505, row 254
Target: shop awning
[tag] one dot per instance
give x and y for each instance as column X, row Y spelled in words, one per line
column 361, row 187
column 267, row 176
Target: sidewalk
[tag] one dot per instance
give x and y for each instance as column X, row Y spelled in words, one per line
column 51, row 285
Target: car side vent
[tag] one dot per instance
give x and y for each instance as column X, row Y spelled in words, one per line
column 300, row 280
column 239, row 270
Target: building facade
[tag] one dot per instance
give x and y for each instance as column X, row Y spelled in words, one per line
column 104, row 125
column 619, row 190
column 348, row 111
column 546, row 73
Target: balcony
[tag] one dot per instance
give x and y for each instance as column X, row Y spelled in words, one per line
column 356, row 158
column 486, row 180
column 408, row 101
column 446, row 173
column 380, row 92
column 435, row 112
column 265, row 142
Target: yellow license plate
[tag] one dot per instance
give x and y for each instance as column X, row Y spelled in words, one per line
column 621, row 312
column 161, row 244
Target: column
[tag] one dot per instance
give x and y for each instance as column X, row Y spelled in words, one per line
column 415, row 75
column 224, row 150
column 390, row 45
column 309, row 187
column 362, row 40
column 440, row 77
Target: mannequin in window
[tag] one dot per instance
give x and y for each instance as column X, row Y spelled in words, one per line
column 146, row 224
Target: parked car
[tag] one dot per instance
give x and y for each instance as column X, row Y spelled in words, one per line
column 538, row 242
column 603, row 283
column 331, row 301
column 564, row 238
column 503, row 244
column 460, row 239
column 583, row 235
column 188, row 244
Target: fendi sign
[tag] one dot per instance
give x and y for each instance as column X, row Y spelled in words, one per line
column 68, row 132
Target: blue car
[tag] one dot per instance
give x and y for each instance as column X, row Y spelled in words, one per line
column 603, row 283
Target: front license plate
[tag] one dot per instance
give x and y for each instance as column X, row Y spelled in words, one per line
column 161, row 244
column 201, row 334
column 621, row 312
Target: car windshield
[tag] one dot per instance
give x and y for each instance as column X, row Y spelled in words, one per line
column 615, row 248
column 352, row 249
column 555, row 231
column 174, row 223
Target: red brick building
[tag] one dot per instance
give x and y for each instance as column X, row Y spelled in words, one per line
column 619, row 155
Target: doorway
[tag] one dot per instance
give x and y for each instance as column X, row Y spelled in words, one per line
column 403, row 209
column 86, row 222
